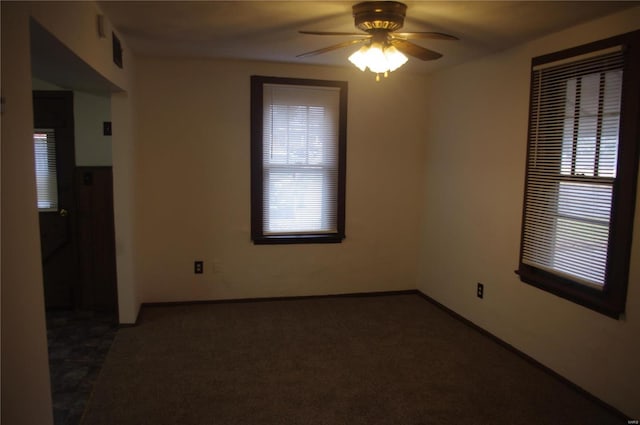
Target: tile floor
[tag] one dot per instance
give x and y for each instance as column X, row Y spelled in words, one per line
column 78, row 344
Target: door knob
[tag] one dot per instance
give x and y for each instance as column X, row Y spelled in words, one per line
column 64, row 212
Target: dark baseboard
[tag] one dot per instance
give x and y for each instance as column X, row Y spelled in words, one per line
column 265, row 299
column 268, row 299
column 526, row 357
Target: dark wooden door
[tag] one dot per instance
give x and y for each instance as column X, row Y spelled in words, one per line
column 53, row 112
column 96, row 234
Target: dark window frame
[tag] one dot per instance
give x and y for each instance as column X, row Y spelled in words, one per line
column 257, row 197
column 611, row 299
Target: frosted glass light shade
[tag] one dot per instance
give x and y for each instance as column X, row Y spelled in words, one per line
column 359, row 58
column 395, row 58
column 378, row 58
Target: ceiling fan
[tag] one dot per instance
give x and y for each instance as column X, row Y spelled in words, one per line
column 385, row 49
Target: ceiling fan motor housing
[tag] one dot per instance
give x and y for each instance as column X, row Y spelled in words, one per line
column 379, row 15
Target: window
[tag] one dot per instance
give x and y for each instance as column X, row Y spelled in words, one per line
column 298, row 159
column 46, row 181
column 582, row 160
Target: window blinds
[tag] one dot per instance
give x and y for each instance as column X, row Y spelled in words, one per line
column 46, row 174
column 300, row 159
column 571, row 166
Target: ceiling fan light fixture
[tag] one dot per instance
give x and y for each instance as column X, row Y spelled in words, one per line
column 380, row 59
column 384, row 50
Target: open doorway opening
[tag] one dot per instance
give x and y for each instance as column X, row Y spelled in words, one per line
column 75, row 203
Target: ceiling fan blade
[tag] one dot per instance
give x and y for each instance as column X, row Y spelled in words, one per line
column 414, row 50
column 361, row 34
column 330, row 48
column 425, row 34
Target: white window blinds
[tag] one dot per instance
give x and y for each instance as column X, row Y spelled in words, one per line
column 571, row 166
column 46, row 175
column 300, row 159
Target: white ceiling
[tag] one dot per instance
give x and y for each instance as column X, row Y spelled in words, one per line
column 268, row 30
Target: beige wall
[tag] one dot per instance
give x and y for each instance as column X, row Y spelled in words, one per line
column 25, row 387
column 446, row 152
column 26, row 398
column 474, row 179
column 193, row 186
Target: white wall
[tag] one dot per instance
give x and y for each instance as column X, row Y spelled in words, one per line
column 124, row 140
column 193, row 191
column 474, row 179
column 26, row 397
column 92, row 147
column 75, row 25
column 38, row 84
column 90, row 110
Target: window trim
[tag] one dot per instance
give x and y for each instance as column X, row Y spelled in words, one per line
column 257, row 197
column 611, row 299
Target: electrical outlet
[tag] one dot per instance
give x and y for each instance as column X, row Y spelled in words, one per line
column 480, row 290
column 198, row 267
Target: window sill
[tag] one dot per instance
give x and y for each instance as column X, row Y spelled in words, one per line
column 604, row 302
column 296, row 239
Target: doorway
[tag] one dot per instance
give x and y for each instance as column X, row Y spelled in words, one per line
column 82, row 315
column 55, row 162
column 75, row 207
column 77, row 236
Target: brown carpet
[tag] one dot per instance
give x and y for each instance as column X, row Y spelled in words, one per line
column 394, row 359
